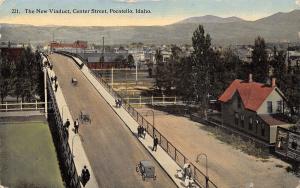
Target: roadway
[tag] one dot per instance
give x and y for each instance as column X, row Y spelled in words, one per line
column 113, row 151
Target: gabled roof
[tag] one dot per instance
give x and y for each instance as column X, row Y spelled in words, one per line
column 253, row 94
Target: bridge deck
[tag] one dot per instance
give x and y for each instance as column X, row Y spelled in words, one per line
column 111, row 148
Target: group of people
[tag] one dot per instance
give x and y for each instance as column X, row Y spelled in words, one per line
column 118, row 103
column 141, row 131
column 67, row 125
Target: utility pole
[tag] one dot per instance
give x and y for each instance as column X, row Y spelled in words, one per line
column 45, row 91
column 112, row 77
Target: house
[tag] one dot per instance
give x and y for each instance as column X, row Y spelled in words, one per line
column 254, row 108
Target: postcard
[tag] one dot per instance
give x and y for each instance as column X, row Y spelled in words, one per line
column 150, row 93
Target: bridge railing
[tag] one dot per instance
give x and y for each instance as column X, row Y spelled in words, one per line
column 67, row 164
column 200, row 178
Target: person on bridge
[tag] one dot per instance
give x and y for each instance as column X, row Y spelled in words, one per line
column 55, row 79
column 67, row 124
column 76, row 126
column 55, row 87
column 85, row 176
column 139, row 130
column 155, row 142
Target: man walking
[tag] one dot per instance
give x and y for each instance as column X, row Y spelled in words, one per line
column 56, row 86
column 76, row 126
column 85, row 176
column 155, row 142
column 67, row 124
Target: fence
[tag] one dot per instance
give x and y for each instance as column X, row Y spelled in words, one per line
column 6, row 107
column 200, row 178
column 67, row 164
column 150, row 100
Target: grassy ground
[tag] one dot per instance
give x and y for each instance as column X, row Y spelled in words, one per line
column 27, row 156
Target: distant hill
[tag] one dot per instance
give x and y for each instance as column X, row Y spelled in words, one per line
column 210, row 19
column 224, row 31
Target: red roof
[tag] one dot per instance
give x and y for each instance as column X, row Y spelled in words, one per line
column 253, row 94
column 273, row 120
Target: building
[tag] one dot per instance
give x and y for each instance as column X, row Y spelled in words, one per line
column 254, row 108
column 12, row 51
column 293, row 58
column 70, row 47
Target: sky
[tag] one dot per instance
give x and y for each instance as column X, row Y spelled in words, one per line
column 163, row 12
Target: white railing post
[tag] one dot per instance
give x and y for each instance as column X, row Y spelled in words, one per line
column 175, row 100
column 152, row 100
column 36, row 105
column 6, row 106
column 140, row 101
column 21, row 105
column 163, row 99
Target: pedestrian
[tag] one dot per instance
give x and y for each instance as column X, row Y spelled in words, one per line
column 120, row 103
column 55, row 87
column 85, row 176
column 76, row 126
column 55, row 79
column 117, row 102
column 140, row 131
column 155, row 142
column 67, row 124
column 143, row 132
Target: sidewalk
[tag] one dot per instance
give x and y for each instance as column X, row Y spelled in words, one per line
column 80, row 158
column 166, row 162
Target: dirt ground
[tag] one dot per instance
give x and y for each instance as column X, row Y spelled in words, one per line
column 227, row 166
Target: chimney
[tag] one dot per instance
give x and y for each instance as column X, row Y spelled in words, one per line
column 273, row 82
column 250, row 78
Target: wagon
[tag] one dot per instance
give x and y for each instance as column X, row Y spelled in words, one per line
column 74, row 81
column 146, row 169
column 85, row 117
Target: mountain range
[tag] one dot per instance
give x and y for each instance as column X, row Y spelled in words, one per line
column 279, row 27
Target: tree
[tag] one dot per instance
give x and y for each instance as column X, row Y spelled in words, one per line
column 259, row 65
column 130, row 61
column 201, row 59
column 184, row 79
column 6, row 77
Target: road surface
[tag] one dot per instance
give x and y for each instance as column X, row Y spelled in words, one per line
column 113, row 151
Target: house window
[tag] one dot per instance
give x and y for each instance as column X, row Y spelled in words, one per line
column 250, row 124
column 262, row 130
column 279, row 106
column 242, row 120
column 256, row 126
column 236, row 119
column 270, row 107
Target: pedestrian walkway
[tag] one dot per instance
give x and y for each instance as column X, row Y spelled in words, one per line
column 166, row 162
column 80, row 158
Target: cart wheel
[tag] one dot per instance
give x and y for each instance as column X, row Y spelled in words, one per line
column 137, row 168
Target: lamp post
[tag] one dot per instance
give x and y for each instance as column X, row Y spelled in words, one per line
column 206, row 166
